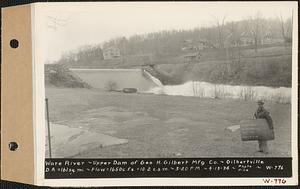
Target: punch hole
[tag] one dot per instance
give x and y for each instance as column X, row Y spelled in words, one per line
column 13, row 146
column 14, row 43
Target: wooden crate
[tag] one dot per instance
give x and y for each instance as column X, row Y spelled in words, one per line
column 256, row 129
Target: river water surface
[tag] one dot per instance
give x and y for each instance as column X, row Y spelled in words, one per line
column 146, row 83
column 209, row 90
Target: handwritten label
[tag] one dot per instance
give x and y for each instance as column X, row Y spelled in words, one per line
column 274, row 181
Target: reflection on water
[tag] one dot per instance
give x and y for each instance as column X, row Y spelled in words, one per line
column 209, row 90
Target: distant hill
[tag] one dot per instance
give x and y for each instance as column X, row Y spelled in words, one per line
column 172, row 42
column 270, row 66
column 224, row 59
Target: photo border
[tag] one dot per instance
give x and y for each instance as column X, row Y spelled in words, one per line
column 39, row 121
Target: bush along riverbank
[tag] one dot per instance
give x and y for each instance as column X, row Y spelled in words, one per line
column 60, row 76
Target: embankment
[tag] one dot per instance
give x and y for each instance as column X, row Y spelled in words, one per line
column 60, row 76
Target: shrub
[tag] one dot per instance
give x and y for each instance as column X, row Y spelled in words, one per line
column 111, row 85
column 60, row 76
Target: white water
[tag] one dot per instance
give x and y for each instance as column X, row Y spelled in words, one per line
column 154, row 79
column 208, row 90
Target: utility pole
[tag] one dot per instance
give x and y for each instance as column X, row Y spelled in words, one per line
column 48, row 126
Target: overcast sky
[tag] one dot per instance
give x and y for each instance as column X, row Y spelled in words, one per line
column 66, row 26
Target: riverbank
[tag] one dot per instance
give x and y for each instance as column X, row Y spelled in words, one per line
column 209, row 90
column 165, row 126
column 271, row 66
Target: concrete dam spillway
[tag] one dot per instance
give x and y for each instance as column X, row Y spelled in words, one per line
column 120, row 78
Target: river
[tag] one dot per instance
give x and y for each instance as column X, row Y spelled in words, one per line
column 146, row 83
column 209, row 90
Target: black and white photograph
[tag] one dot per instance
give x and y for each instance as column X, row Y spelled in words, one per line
column 178, row 81
column 168, row 80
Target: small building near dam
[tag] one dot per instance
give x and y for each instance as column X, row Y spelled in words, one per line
column 117, row 79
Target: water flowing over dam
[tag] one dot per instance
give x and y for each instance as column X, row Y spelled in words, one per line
column 209, row 90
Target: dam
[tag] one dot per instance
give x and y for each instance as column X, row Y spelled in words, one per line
column 120, row 78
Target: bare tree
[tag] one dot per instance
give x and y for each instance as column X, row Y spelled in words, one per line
column 255, row 27
column 220, row 23
column 283, row 34
column 233, row 39
column 282, row 27
column 286, row 29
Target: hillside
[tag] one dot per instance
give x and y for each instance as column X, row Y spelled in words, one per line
column 270, row 66
column 251, row 52
column 59, row 76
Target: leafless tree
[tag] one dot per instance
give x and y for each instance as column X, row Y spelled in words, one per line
column 233, row 55
column 255, row 27
column 282, row 27
column 286, row 29
column 220, row 23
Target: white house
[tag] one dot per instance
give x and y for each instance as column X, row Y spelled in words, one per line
column 111, row 53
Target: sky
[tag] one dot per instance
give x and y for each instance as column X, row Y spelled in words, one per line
column 61, row 27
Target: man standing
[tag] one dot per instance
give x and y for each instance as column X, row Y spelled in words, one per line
column 262, row 113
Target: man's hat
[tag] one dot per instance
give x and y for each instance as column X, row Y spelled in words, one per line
column 260, row 102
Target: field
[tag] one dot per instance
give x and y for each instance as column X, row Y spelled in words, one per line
column 165, row 126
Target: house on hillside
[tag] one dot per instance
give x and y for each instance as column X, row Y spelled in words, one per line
column 233, row 40
column 195, row 45
column 270, row 38
column 192, row 48
column 111, row 53
column 202, row 44
column 266, row 38
column 192, row 57
column 246, row 39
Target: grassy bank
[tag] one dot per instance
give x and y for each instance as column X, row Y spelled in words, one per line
column 165, row 126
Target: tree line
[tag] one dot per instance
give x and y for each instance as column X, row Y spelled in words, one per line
column 220, row 35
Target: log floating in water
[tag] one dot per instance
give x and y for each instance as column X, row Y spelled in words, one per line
column 129, row 90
